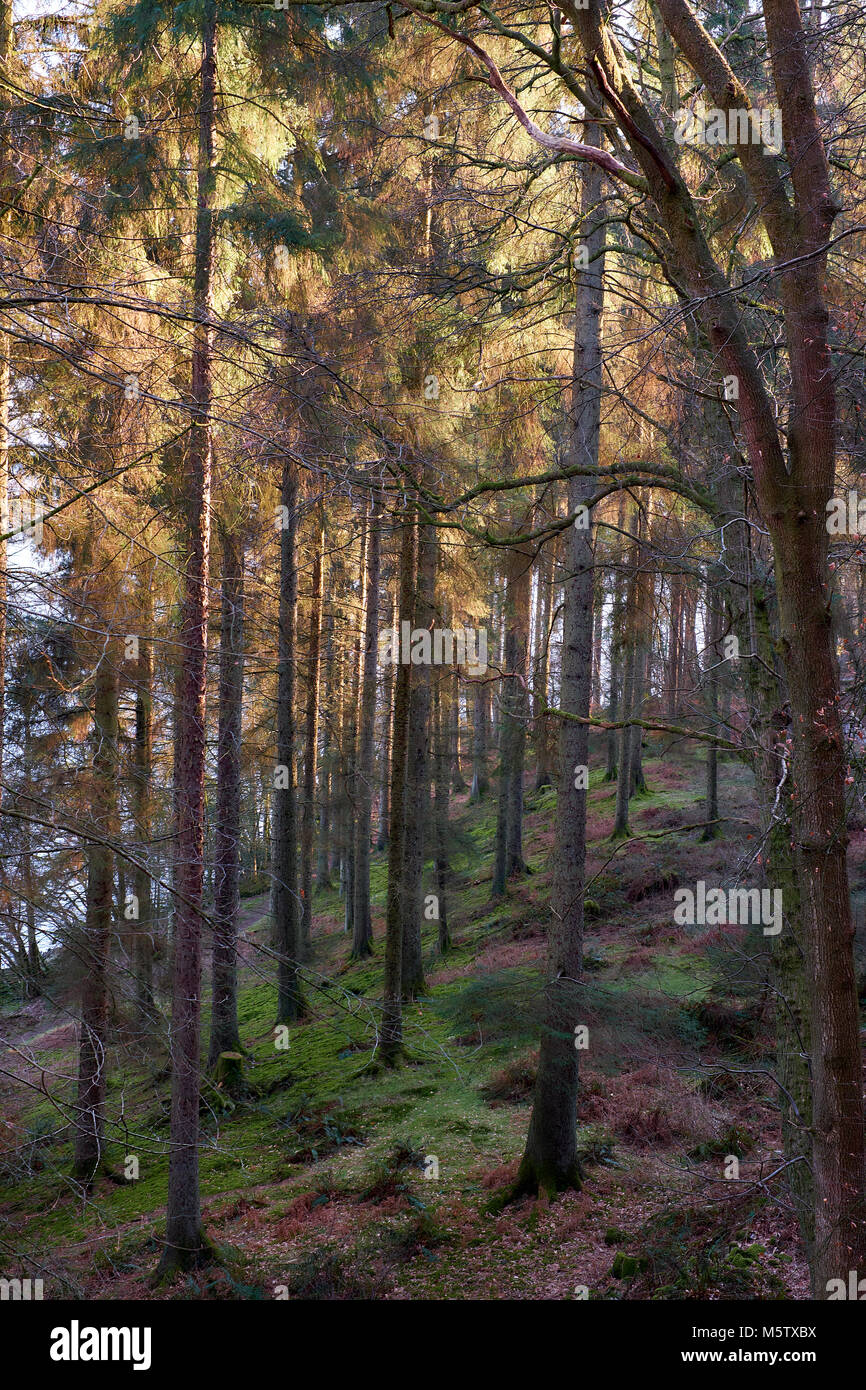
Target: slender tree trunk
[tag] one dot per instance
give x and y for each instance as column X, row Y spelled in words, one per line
column 224, row 1034
column 458, row 781
column 617, row 640
column 387, row 729
column 480, row 783
column 311, row 739
column 392, row 1014
column 418, row 764
column 624, row 779
column 642, row 619
column 543, row 725
column 184, row 1238
column 351, row 735
column 362, row 941
column 508, row 854
column 518, row 661
column 550, row 1160
column 673, row 682
column 714, row 632
column 285, row 898
column 323, row 870
column 598, row 624
column 442, row 774
column 96, row 944
column 142, row 813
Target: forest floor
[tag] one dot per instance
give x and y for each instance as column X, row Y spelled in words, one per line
column 314, row 1175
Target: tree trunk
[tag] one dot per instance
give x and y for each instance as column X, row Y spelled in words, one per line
column 362, row 940
column 714, row 633
column 624, row 779
column 311, row 739
column 285, row 899
column 550, row 1161
column 142, row 778
column 184, row 1238
column 323, row 867
column 442, row 774
column 224, row 1034
column 96, row 943
column 543, row 727
column 392, row 1013
column 387, row 727
column 417, row 794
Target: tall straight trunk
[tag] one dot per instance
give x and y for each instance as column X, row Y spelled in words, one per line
column 387, row 731
column 266, row 813
column 350, row 743
column 96, row 942
column 624, row 777
column 714, row 632
column 497, row 630
column 550, row 1160
column 642, row 617
column 285, row 899
column 616, row 643
column 543, row 727
column 500, row 844
column 752, row 620
column 458, row 781
column 595, row 692
column 363, row 926
column 323, row 867
column 518, row 662
column 311, row 738
column 689, row 659
column 338, row 775
column 417, row 793
column 392, row 1011
column 480, row 783
column 640, row 680
column 508, row 853
column 442, row 774
column 674, row 646
column 142, row 778
column 33, row 966
column 184, row 1237
column 224, row 1034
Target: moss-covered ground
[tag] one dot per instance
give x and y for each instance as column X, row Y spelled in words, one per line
column 329, row 1176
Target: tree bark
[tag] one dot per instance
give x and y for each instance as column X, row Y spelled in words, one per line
column 142, row 777
column 362, row 940
column 96, row 942
column 185, row 1243
column 285, row 898
column 550, row 1160
column 224, row 1034
column 392, row 1013
column 311, row 739
column 417, row 794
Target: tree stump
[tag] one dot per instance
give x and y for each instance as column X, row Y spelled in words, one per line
column 229, row 1070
